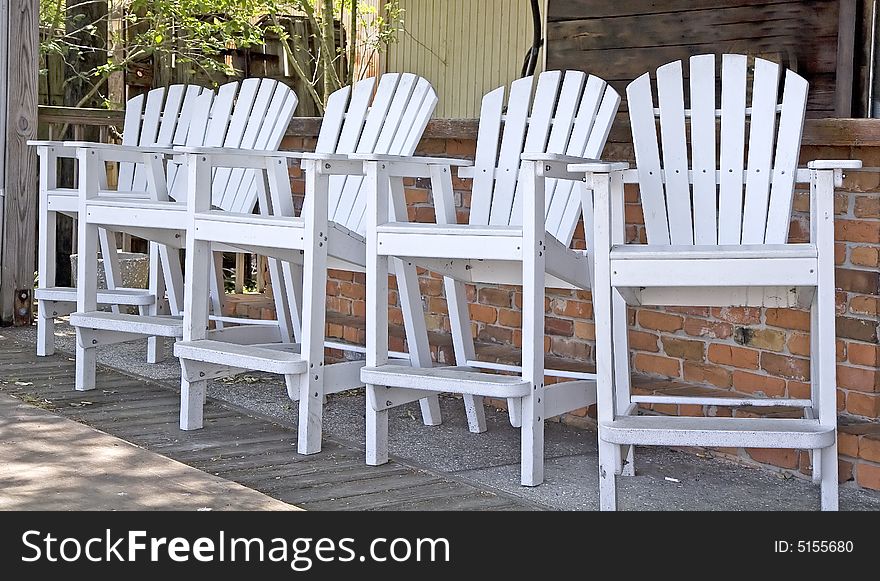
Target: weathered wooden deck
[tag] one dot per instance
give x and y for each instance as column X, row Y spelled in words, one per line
column 251, row 451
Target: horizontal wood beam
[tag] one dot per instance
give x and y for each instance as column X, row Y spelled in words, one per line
column 830, row 131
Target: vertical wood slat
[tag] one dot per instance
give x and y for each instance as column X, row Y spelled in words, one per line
column 518, row 105
column 20, row 201
column 365, row 141
column 733, row 131
column 582, row 125
column 560, row 142
column 538, row 132
column 670, row 95
column 488, row 134
column 131, row 134
column 846, row 40
column 762, row 129
column 788, row 145
column 702, row 82
column 149, row 133
column 595, row 144
column 644, row 130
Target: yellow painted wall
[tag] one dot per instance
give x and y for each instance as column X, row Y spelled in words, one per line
column 465, row 48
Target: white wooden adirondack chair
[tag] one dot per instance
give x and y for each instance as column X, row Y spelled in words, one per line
column 717, row 228
column 252, row 115
column 161, row 117
column 523, row 216
column 329, row 233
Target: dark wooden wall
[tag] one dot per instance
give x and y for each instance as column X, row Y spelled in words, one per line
column 621, row 39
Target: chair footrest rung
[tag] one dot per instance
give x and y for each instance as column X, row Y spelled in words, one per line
column 728, row 432
column 149, row 326
column 119, row 296
column 465, row 380
column 279, row 358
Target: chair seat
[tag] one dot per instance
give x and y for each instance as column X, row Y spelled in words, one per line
column 727, row 432
column 279, row 358
column 281, row 237
column 119, row 296
column 156, row 326
column 465, row 380
column 771, row 265
column 466, row 252
column 723, row 251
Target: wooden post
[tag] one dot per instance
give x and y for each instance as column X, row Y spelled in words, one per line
column 20, row 88
column 846, row 33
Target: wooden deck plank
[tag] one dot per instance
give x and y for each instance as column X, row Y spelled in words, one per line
column 252, row 451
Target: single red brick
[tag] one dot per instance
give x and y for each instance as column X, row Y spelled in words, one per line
column 858, row 329
column 867, row 206
column 867, row 380
column 799, row 344
column 863, row 404
column 785, row 366
column 865, row 305
column 733, row 356
column 782, row 458
column 863, row 354
column 857, row 281
column 683, row 348
column 857, row 231
column 585, row 330
column 483, row 314
column 702, row 374
column 869, row 447
column 495, row 296
column 660, row 321
column 847, row 444
column 495, row 334
column 709, row 329
column 868, row 475
column 509, row 318
column 789, row 319
column 798, row 389
column 754, row 383
column 865, row 256
column 739, row 315
column 554, row 326
column 657, row 365
column 639, row 340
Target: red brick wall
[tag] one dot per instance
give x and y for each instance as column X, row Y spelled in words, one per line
column 747, row 350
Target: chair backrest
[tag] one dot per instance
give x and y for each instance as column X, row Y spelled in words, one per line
column 738, row 193
column 163, row 117
column 356, row 120
column 253, row 114
column 570, row 114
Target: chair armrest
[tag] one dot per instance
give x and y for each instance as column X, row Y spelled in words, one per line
column 236, row 151
column 835, row 164
column 598, row 166
column 444, row 161
column 59, row 149
column 122, row 153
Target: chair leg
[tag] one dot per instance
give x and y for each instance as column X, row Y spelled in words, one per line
column 608, row 455
column 377, row 431
column 45, row 329
column 514, row 411
column 86, row 367
column 476, row 413
column 828, row 461
column 628, row 460
column 311, row 408
column 532, row 470
column 156, row 351
column 192, row 403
